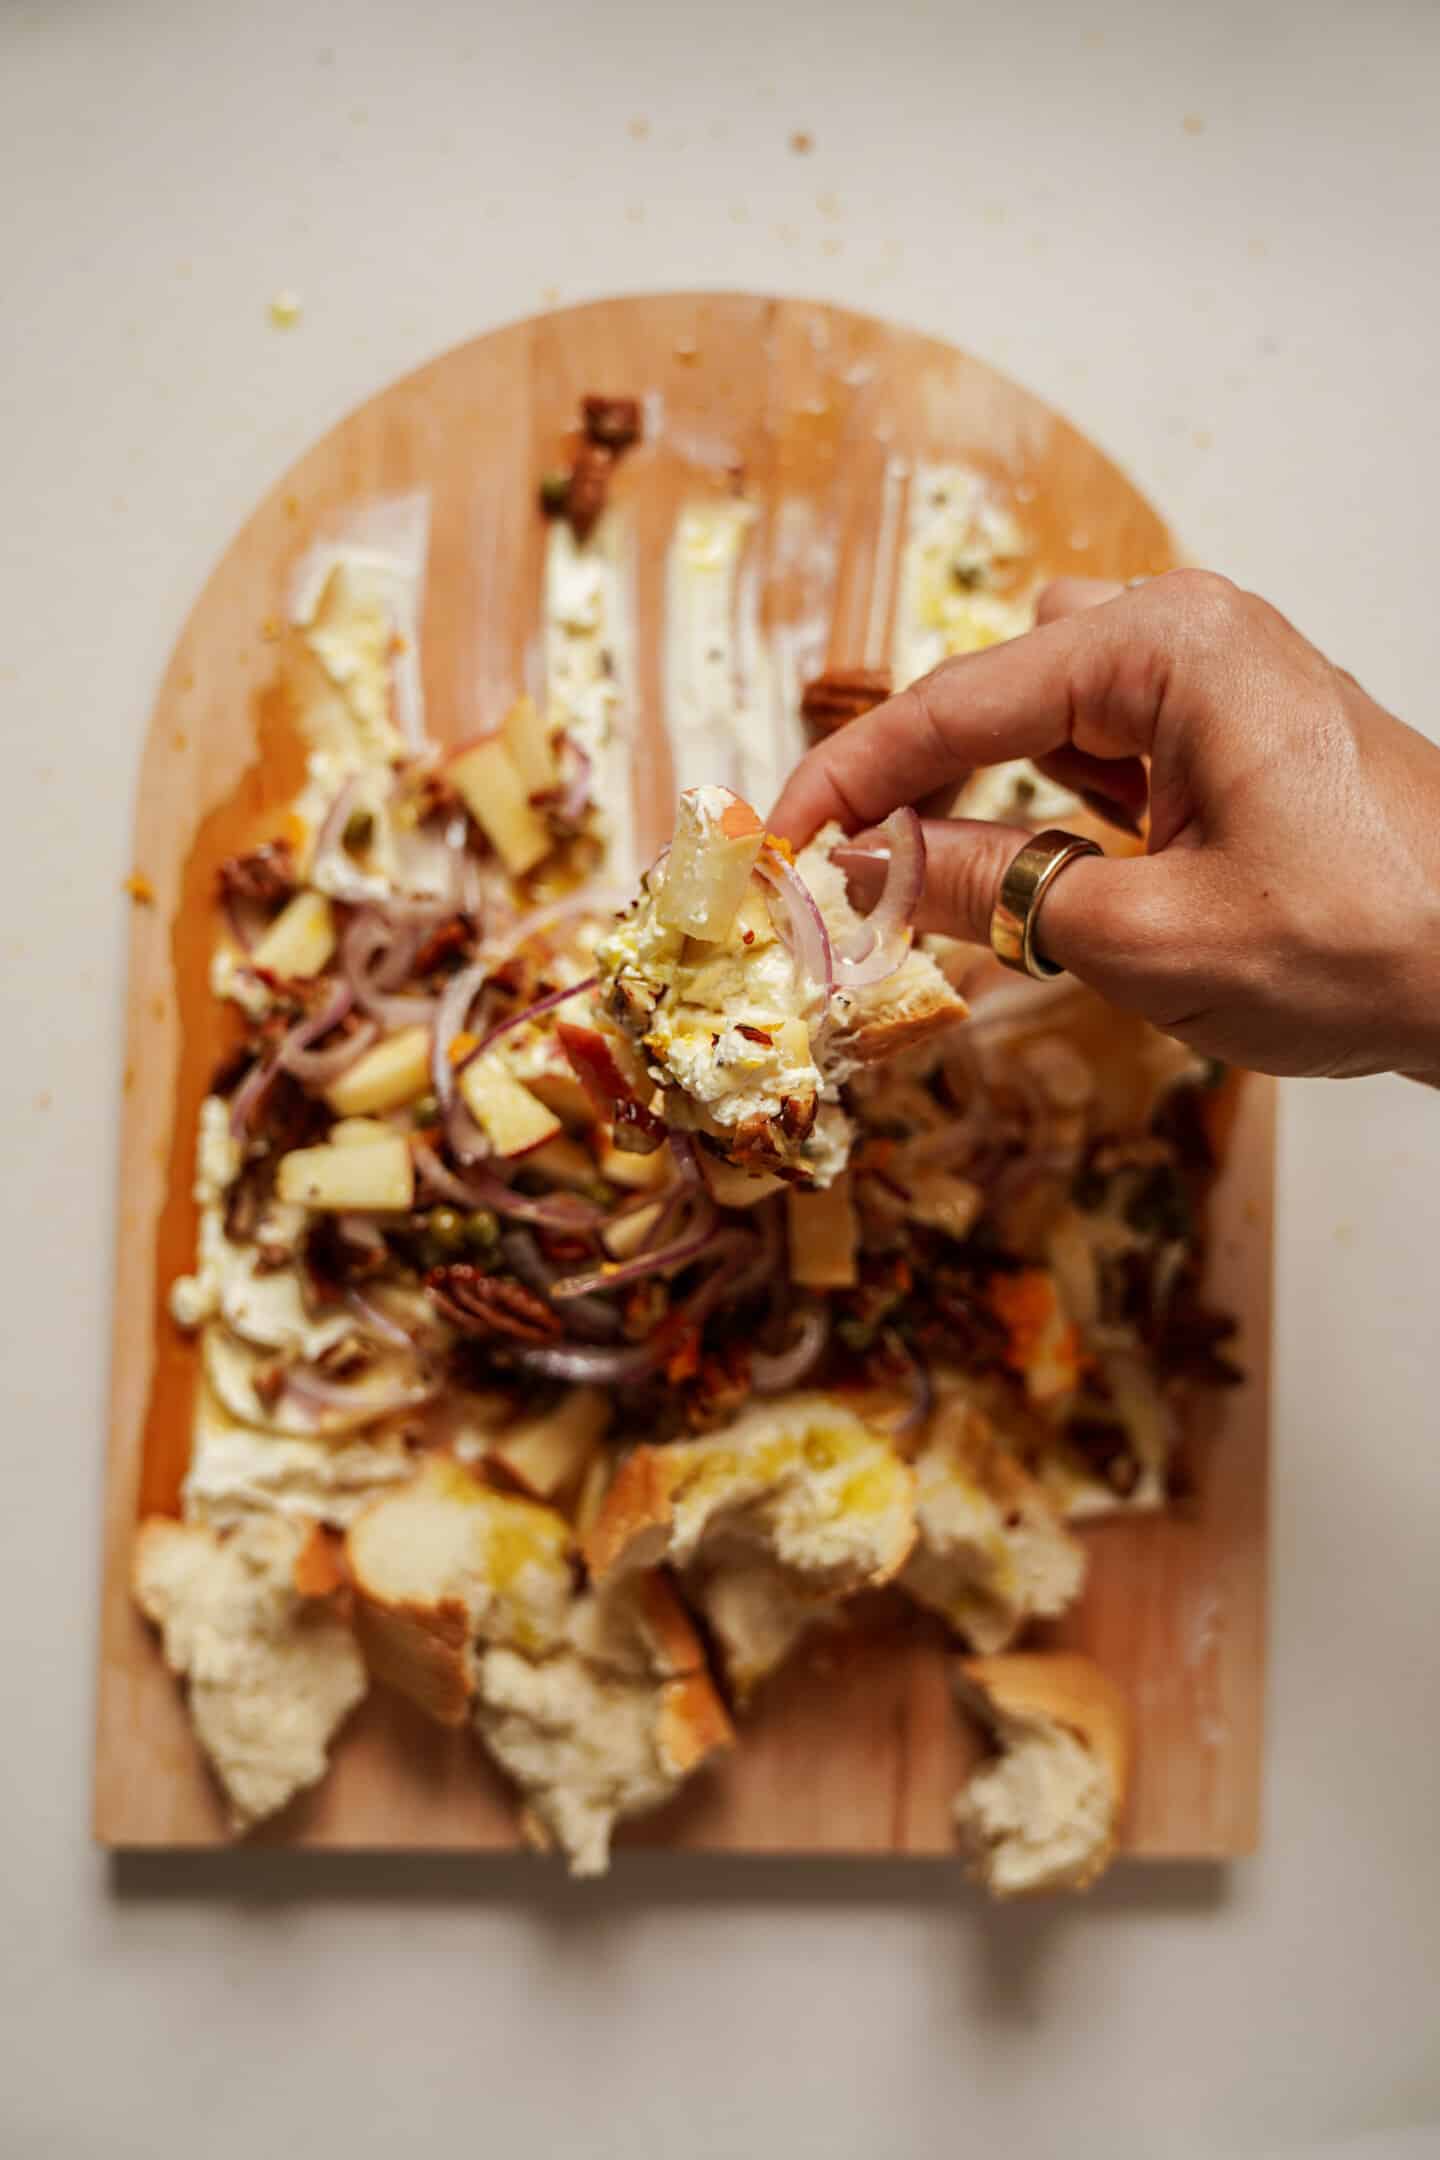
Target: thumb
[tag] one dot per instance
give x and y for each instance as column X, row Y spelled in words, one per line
column 1115, row 923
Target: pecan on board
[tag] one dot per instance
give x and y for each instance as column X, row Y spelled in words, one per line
column 841, row 695
column 493, row 1305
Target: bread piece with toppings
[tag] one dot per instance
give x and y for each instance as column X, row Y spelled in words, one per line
column 1044, row 1813
column 991, row 1551
column 718, row 974
column 272, row 1668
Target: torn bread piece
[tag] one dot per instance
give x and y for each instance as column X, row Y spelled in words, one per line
column 1044, row 1813
column 756, row 1611
column 770, row 1520
column 597, row 1704
column 991, row 1551
column 732, row 976
column 803, row 1478
column 448, row 1564
column 272, row 1668
column 607, row 1726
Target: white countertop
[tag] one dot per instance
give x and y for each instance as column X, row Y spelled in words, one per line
column 1206, row 233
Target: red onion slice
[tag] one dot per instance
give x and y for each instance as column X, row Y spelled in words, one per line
column 451, row 1014
column 481, row 1188
column 803, row 926
column 696, row 1239
column 307, row 1386
column 317, row 1068
column 602, row 1364
column 788, row 1367
column 879, row 943
column 590, row 1318
column 368, row 939
column 531, row 1012
column 248, row 1094
column 374, row 1318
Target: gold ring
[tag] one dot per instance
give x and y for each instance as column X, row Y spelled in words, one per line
column 1023, row 887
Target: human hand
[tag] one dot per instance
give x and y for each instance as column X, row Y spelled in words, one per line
column 1286, row 912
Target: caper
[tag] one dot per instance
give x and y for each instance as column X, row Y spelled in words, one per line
column 482, row 1231
column 426, row 1110
column 445, row 1229
column 359, row 828
column 555, row 493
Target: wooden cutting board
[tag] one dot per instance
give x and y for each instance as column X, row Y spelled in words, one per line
column 856, row 1747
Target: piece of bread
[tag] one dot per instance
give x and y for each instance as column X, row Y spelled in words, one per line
column 597, row 1704
column 879, row 1020
column 1044, row 1813
column 801, row 1479
column 609, row 1725
column 741, row 1039
column 272, row 1668
column 446, row 1565
column 756, row 1611
column 991, row 1551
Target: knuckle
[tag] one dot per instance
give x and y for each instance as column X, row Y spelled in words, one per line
column 1204, row 598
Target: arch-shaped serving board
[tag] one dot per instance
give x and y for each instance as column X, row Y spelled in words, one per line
column 856, row 1748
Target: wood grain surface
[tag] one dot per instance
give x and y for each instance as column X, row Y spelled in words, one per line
column 856, row 1747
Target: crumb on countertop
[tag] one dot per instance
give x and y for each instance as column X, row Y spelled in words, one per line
column 140, row 889
column 802, row 142
column 284, row 311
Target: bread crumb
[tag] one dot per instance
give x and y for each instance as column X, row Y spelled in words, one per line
column 639, row 128
column 1193, row 124
column 140, row 889
column 284, row 311
column 802, row 142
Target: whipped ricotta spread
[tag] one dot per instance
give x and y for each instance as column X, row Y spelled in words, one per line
column 956, row 537
column 588, row 670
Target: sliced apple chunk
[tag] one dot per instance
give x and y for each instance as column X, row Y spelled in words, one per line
column 489, row 784
column 617, row 1084
column 396, row 1071
column 299, row 942
column 358, row 1132
column 511, row 1118
column 731, row 1186
column 624, row 1235
column 637, row 1173
column 376, row 1176
column 823, row 1235
column 547, row 1453
column 717, row 840
column 527, row 739
column 566, row 1162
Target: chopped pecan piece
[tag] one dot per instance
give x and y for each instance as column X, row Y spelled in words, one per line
column 721, row 1386
column 494, row 1305
column 449, row 941
column 589, row 487
column 798, row 1114
column 841, row 695
column 613, row 422
column 266, row 875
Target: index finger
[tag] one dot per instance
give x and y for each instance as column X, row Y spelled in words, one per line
column 1062, row 683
